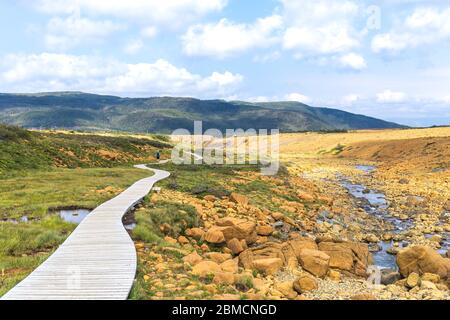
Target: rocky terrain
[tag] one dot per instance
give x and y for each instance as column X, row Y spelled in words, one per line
column 326, row 228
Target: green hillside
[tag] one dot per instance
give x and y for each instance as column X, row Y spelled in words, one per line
column 22, row 149
column 75, row 110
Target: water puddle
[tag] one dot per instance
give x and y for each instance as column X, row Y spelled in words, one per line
column 73, row 216
column 23, row 219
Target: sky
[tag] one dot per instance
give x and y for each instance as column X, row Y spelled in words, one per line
column 387, row 59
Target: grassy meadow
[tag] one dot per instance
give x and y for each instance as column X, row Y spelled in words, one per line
column 41, row 172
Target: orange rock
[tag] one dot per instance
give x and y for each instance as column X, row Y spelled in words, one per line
column 239, row 199
column 215, row 235
column 314, row 261
column 264, row 230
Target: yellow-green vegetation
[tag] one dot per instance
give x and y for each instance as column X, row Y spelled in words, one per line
column 41, row 172
column 174, row 217
column 22, row 150
column 35, row 193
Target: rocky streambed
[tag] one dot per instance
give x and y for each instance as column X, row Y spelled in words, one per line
column 375, row 204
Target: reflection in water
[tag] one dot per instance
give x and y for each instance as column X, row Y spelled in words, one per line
column 73, row 216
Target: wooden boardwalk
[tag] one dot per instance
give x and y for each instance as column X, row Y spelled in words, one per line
column 97, row 261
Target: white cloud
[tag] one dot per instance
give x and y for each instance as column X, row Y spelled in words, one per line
column 446, row 99
column 134, row 46
column 298, row 97
column 60, row 72
column 226, row 38
column 73, row 30
column 318, row 27
column 426, row 25
column 149, row 32
column 351, row 98
column 269, row 57
column 389, row 96
column 171, row 13
column 353, row 61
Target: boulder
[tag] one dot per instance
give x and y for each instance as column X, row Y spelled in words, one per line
column 218, row 257
column 183, row 240
column 389, row 276
column 265, row 251
column 215, row 236
column 235, row 246
column 230, row 266
column 205, row 268
column 334, row 275
column 287, row 289
column 210, row 198
column 264, row 230
column 239, row 199
column 226, row 278
column 431, row 277
column 422, row 259
column 413, row 280
column 238, row 228
column 305, row 283
column 315, row 262
column 269, row 266
column 195, row 233
column 299, row 244
column 352, row 257
column 192, row 258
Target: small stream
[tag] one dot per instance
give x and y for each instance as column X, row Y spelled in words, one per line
column 375, row 204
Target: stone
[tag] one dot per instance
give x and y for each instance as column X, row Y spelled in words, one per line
column 218, row 257
column 195, row 233
column 221, row 278
column 235, row 246
column 210, row 198
column 277, row 216
column 170, row 240
column 347, row 256
column 315, row 262
column 238, row 228
column 422, row 259
column 183, row 240
column 269, row 266
column 363, row 296
column 287, row 289
column 192, row 258
column 230, row 266
column 215, row 236
column 205, row 268
column 264, row 230
column 413, row 280
column 334, row 275
column 239, row 199
column 299, row 244
column 427, row 285
column 305, row 283
column 305, row 196
column 389, row 276
column 431, row 277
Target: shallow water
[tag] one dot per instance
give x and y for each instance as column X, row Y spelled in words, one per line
column 130, row 226
column 367, row 169
column 74, row 216
column 375, row 204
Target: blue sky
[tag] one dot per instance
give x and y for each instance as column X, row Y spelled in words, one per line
column 387, row 59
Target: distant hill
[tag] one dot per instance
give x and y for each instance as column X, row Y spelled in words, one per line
column 77, row 110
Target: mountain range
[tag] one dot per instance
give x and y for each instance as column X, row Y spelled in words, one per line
column 83, row 111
